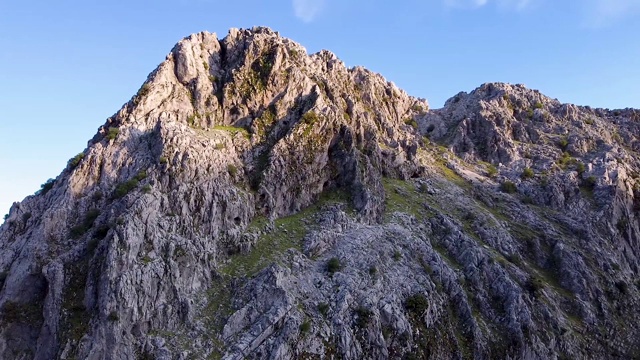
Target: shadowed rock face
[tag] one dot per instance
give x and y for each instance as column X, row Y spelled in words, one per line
column 253, row 201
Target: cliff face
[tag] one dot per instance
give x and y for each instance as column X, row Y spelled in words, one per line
column 253, row 201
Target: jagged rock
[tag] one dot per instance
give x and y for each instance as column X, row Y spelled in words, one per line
column 253, row 201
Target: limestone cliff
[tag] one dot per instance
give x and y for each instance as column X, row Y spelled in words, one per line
column 254, row 201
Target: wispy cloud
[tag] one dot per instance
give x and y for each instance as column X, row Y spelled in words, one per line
column 604, row 12
column 474, row 4
column 307, row 10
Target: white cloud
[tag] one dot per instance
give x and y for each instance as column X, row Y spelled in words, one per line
column 307, row 10
column 604, row 12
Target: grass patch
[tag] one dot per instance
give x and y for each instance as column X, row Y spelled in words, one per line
column 233, row 130
column 400, row 196
column 527, row 173
column 452, row 176
column 287, row 234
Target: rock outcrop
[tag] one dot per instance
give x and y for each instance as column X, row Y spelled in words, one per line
column 253, row 201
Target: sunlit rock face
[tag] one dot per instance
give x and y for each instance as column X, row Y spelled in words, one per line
column 254, row 201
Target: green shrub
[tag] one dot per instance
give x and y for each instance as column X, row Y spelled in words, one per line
column 334, row 265
column 397, row 255
column 364, row 316
column 527, row 173
column 232, row 170
column 146, row 189
column 563, row 143
column 305, row 327
column 48, row 185
column 590, row 182
column 538, row 105
column 206, row 65
column 124, row 188
column 112, row 133
column 323, row 308
column 622, row 224
column 141, row 175
column 416, row 304
column 75, row 161
column 581, row 168
column 6, row 216
column 309, row 118
column 412, row 122
column 144, row 90
column 80, row 229
column 530, row 114
column 113, row 316
column 492, row 171
column 373, row 270
column 508, row 187
column 534, row 286
column 163, row 160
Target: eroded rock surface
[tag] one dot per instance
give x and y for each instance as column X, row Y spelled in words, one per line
column 254, row 201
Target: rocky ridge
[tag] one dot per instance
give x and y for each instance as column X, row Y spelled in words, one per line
column 253, row 201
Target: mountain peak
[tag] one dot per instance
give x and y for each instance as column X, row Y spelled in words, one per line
column 255, row 201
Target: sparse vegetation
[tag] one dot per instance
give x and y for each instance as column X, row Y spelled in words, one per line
column 527, row 173
column 563, row 143
column 334, row 265
column 113, row 316
column 75, row 161
column 417, row 304
column 363, row 316
column 373, row 270
column 411, row 122
column 124, row 188
column 323, row 309
column 144, row 90
column 590, row 182
column 534, row 286
column 538, row 105
column 48, row 185
column 492, row 171
column 305, row 327
column 14, row 312
column 397, row 255
column 163, row 160
column 191, row 119
column 112, row 133
column 232, row 170
column 233, row 130
column 508, row 187
column 80, row 229
column 309, row 118
column 287, row 233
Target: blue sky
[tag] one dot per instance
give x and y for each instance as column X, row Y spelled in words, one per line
column 68, row 65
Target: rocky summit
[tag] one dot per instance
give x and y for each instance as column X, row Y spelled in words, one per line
column 253, row 201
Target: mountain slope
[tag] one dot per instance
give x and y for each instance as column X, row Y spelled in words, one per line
column 252, row 201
